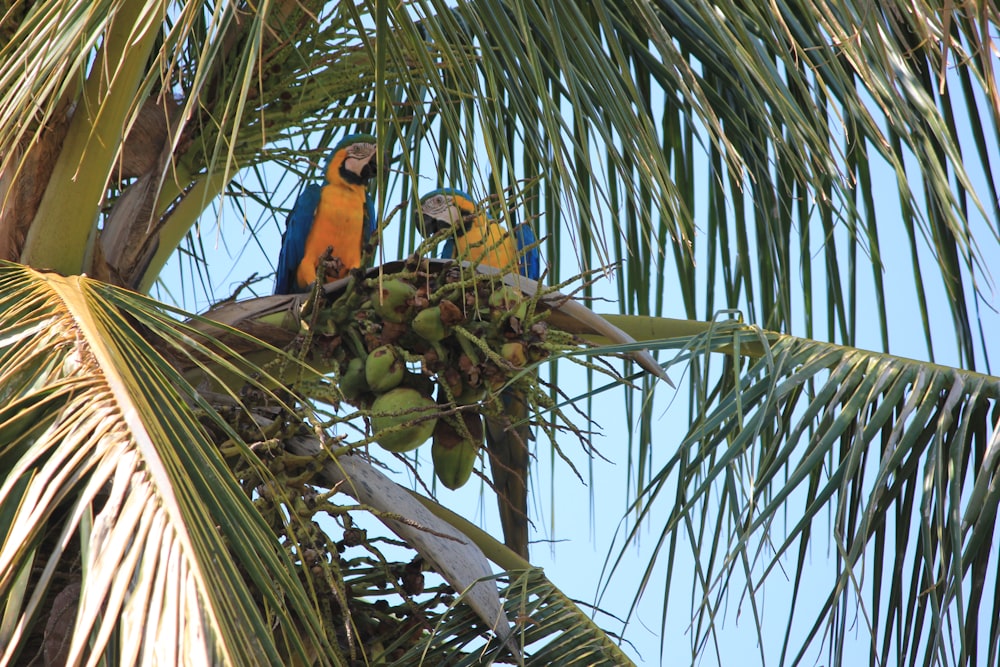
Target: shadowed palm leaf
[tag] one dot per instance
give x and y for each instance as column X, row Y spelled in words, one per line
column 110, row 483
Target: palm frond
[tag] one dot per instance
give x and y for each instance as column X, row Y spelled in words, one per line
column 112, row 485
column 794, row 111
column 796, row 119
column 888, row 462
column 552, row 629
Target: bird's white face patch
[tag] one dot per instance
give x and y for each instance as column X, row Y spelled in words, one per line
column 358, row 156
column 442, row 207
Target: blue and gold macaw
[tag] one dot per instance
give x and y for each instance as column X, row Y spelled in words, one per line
column 340, row 214
column 481, row 240
column 477, row 237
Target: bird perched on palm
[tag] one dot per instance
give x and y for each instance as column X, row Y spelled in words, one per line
column 338, row 215
column 479, row 239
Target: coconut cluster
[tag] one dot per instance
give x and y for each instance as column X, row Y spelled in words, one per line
column 425, row 352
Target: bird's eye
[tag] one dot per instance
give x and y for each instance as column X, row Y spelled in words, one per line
column 360, row 150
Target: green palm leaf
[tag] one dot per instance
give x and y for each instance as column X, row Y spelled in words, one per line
column 111, row 483
column 897, row 457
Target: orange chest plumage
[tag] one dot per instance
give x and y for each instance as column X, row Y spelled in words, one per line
column 486, row 242
column 339, row 223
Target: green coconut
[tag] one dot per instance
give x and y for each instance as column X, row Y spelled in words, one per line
column 429, row 325
column 384, row 368
column 453, row 452
column 404, row 407
column 394, row 300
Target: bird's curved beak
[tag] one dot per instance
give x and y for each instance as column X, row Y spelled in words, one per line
column 370, row 168
column 429, row 225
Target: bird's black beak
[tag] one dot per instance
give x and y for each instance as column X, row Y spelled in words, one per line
column 429, row 226
column 370, row 169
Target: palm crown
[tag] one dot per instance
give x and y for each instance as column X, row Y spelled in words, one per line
column 770, row 159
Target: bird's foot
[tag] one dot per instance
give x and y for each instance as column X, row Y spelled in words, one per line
column 333, row 267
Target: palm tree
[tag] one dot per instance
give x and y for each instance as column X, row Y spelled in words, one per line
column 161, row 473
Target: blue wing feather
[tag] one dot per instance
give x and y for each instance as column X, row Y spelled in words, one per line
column 531, row 261
column 370, row 221
column 448, row 250
column 293, row 243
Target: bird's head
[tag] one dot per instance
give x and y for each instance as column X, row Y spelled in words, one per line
column 353, row 160
column 444, row 208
